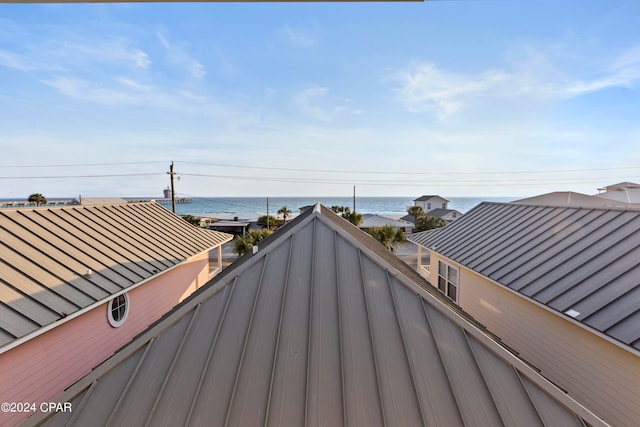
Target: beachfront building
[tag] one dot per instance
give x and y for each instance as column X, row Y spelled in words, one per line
column 431, row 202
column 559, row 284
column 433, row 205
column 374, row 220
column 78, row 282
column 319, row 325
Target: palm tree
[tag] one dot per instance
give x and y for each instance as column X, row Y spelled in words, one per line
column 37, row 198
column 426, row 222
column 388, row 236
column 285, row 213
column 353, row 217
column 244, row 244
column 415, row 211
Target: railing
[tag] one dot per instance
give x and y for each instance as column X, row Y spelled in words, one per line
column 425, row 270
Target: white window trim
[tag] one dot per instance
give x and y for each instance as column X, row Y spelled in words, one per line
column 447, row 281
column 117, row 323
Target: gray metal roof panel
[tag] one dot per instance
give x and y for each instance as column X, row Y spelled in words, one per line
column 316, row 327
column 46, row 254
column 584, row 259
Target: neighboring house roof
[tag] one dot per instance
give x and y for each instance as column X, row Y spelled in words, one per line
column 436, row 212
column 441, row 212
column 568, row 198
column 321, row 326
column 97, row 201
column 429, row 197
column 373, row 220
column 580, row 262
column 625, row 192
column 55, row 262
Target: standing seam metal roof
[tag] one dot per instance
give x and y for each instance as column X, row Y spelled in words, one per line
column 567, row 258
column 45, row 254
column 320, row 327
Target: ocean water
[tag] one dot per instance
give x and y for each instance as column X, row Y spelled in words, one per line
column 250, row 208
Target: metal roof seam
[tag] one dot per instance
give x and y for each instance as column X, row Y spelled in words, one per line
column 531, row 401
column 310, row 320
column 256, row 298
column 40, row 285
column 432, row 334
column 196, row 395
column 89, row 389
column 83, row 237
column 132, row 377
column 278, row 334
column 340, row 326
column 107, row 241
column 131, row 234
column 175, row 358
column 391, row 288
column 60, row 264
column 483, row 374
column 542, row 232
column 555, row 255
column 544, row 273
column 405, row 336
column 598, row 264
column 544, row 255
column 371, row 337
column 499, row 238
column 159, row 242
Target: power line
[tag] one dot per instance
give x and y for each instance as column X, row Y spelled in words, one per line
column 81, row 165
column 81, row 176
column 405, row 172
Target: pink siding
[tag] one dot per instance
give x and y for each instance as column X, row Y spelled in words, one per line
column 43, row 367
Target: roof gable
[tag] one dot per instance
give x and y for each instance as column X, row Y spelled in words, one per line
column 58, row 261
column 582, row 263
column 320, row 326
column 429, row 197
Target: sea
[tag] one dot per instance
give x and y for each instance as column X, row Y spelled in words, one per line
column 250, row 208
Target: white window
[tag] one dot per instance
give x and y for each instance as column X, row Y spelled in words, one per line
column 448, row 280
column 118, row 310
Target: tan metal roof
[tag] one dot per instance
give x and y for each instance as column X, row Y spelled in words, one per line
column 321, row 326
column 47, row 253
column 581, row 262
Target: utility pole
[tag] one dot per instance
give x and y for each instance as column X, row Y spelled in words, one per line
column 173, row 193
column 354, row 199
column 267, row 213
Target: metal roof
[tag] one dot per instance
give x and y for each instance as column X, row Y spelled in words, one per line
column 57, row 261
column 429, row 197
column 584, row 261
column 570, row 198
column 373, row 220
column 321, row 326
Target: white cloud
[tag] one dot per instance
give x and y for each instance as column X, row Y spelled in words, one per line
column 298, row 37
column 423, row 87
column 318, row 104
column 178, row 55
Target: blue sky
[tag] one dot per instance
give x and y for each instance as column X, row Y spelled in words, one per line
column 459, row 98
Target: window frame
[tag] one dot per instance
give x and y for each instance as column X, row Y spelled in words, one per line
column 449, row 280
column 116, row 323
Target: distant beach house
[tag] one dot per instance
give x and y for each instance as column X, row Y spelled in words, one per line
column 559, row 284
column 373, row 220
column 433, row 205
column 320, row 325
column 78, row 282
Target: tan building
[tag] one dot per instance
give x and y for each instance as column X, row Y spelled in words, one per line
column 560, row 285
